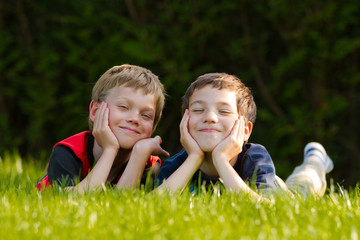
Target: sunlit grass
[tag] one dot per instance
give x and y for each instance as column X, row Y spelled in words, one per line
column 27, row 214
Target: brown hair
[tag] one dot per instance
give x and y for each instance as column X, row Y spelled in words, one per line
column 130, row 76
column 245, row 101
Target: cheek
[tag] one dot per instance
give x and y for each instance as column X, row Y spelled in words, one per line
column 148, row 127
column 229, row 125
column 113, row 115
column 192, row 126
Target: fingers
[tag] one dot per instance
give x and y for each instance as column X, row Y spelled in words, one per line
column 236, row 128
column 99, row 116
column 158, row 139
column 231, row 146
column 154, row 144
column 239, row 128
column 237, row 133
column 101, row 130
column 105, row 121
column 161, row 152
column 184, row 132
column 241, row 131
column 184, row 121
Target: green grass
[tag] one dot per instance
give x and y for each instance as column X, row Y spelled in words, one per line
column 27, row 214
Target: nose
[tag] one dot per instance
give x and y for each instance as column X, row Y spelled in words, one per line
column 210, row 117
column 133, row 117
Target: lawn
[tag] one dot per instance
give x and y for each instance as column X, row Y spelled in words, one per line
column 111, row 214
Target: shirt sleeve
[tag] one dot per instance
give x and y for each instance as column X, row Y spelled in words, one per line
column 64, row 167
column 258, row 167
column 170, row 166
column 152, row 161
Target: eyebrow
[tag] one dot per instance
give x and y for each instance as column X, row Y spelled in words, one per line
column 203, row 102
column 147, row 109
column 199, row 102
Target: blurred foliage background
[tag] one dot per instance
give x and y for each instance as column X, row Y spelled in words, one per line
column 300, row 58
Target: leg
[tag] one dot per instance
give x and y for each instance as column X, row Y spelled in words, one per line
column 309, row 178
column 281, row 184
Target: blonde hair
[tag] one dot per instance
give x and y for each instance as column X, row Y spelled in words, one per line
column 245, row 101
column 130, row 76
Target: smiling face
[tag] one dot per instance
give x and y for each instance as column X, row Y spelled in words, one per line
column 213, row 113
column 131, row 114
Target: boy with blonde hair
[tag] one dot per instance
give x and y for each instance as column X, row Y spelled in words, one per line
column 219, row 113
column 126, row 106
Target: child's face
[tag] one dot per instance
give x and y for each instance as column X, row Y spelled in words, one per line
column 213, row 113
column 131, row 114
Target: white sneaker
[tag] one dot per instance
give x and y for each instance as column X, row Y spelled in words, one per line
column 314, row 148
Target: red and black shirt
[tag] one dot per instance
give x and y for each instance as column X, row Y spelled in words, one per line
column 72, row 159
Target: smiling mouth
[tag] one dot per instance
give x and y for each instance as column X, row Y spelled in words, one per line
column 209, row 131
column 129, row 130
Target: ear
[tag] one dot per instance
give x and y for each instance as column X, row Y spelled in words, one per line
column 94, row 106
column 248, row 129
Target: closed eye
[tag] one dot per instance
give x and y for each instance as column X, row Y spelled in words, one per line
column 197, row 110
column 147, row 116
column 225, row 112
column 123, row 106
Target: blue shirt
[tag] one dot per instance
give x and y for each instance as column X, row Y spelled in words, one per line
column 254, row 165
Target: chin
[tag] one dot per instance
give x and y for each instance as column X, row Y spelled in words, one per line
column 207, row 150
column 127, row 146
column 207, row 147
column 127, row 143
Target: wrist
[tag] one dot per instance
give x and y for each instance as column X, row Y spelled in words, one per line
column 111, row 150
column 196, row 157
column 142, row 147
column 217, row 158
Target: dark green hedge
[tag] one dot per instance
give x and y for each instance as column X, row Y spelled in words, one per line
column 301, row 59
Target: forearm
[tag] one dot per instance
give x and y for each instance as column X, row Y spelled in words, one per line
column 140, row 155
column 133, row 171
column 231, row 178
column 179, row 179
column 99, row 174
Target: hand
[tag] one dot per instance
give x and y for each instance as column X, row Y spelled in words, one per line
column 151, row 146
column 104, row 136
column 231, row 146
column 139, row 156
column 187, row 141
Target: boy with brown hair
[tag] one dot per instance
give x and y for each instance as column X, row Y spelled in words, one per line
column 126, row 106
column 219, row 113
